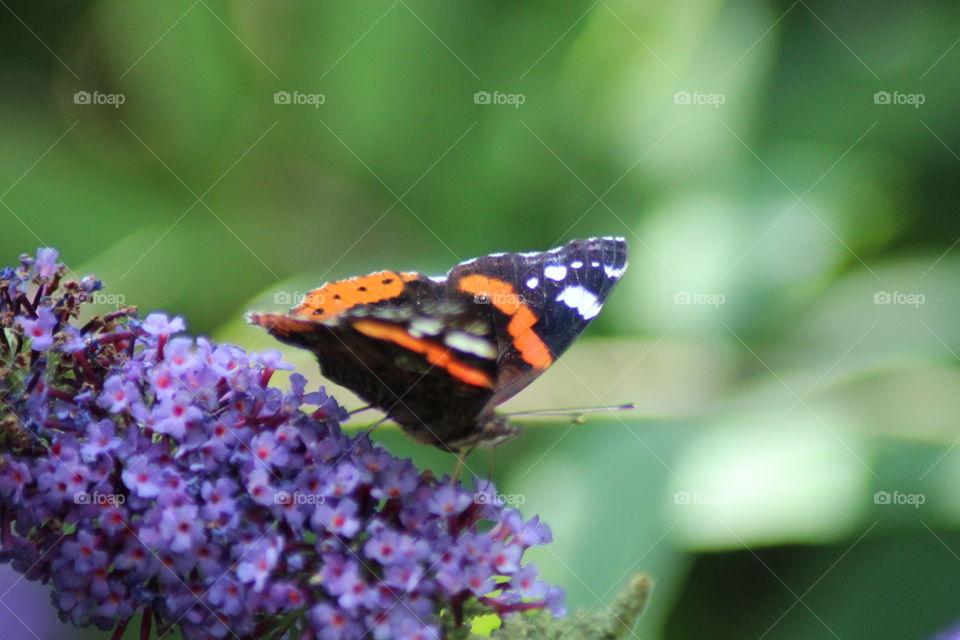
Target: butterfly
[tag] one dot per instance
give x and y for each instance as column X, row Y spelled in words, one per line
column 439, row 354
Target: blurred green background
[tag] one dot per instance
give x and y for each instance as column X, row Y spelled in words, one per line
column 785, row 173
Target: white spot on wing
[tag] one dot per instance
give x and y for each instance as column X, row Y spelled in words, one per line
column 440, row 279
column 533, row 282
column 470, row 344
column 586, row 304
column 426, row 326
column 613, row 272
column 555, row 272
column 576, row 264
column 595, row 264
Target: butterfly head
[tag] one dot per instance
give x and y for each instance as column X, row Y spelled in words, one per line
column 494, row 430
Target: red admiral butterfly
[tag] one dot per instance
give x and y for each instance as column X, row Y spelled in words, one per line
column 438, row 354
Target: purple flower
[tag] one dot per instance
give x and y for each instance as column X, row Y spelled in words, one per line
column 340, row 519
column 449, row 501
column 180, row 527
column 259, row 563
column 84, row 552
column 14, row 476
column 117, row 395
column 333, row 623
column 191, row 489
column 157, row 324
column 142, row 478
column 173, row 414
column 46, row 263
column 950, row 634
column 218, row 498
column 39, row 330
column 268, row 451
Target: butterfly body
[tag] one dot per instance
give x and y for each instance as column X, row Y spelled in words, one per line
column 439, row 354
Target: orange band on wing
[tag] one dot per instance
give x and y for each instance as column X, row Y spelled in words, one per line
column 435, row 354
column 504, row 297
column 336, row 297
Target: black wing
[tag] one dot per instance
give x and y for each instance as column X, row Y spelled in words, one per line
column 431, row 366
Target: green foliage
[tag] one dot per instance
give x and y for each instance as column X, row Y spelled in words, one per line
column 777, row 402
column 616, row 622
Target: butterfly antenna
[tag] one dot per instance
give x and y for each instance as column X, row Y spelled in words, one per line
column 577, row 411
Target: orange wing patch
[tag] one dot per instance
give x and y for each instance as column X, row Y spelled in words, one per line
column 336, row 297
column 505, row 298
column 435, row 354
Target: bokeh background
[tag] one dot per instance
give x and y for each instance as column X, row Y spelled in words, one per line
column 785, row 173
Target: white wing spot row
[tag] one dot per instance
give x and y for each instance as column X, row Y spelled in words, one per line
column 586, row 303
column 555, row 272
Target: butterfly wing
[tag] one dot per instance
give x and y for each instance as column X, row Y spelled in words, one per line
column 430, row 363
column 539, row 302
column 437, row 354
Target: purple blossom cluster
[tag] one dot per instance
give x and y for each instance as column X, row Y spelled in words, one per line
column 953, row 633
column 145, row 472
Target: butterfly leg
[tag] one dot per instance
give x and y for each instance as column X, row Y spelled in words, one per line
column 461, row 463
column 369, row 430
column 361, row 409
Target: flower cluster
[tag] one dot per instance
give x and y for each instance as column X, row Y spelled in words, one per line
column 145, row 472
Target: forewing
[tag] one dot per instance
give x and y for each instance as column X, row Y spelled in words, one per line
column 540, row 302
